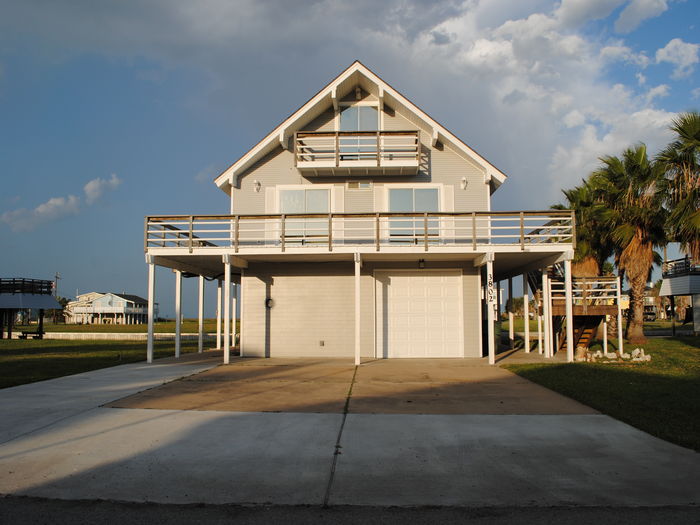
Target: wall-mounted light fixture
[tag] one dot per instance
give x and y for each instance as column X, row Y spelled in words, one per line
column 256, row 186
column 464, row 183
column 421, row 263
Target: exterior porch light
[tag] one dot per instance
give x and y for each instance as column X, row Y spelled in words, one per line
column 463, row 183
column 256, row 186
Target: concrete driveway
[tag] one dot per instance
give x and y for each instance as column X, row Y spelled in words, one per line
column 400, row 433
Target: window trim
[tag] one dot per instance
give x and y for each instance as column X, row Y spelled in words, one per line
column 328, row 187
column 369, row 188
column 416, row 186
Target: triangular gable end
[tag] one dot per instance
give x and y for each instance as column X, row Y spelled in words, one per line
column 338, row 88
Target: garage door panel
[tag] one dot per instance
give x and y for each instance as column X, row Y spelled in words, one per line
column 421, row 314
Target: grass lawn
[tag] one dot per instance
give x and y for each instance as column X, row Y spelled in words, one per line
column 661, row 397
column 648, row 325
column 188, row 326
column 26, row 361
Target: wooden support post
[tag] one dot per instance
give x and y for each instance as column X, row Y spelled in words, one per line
column 569, row 312
column 526, row 314
column 178, row 311
column 358, row 312
column 234, row 308
column 151, row 309
column 605, row 334
column 491, row 306
column 620, row 342
column 227, row 309
column 200, row 339
column 511, row 328
column 218, row 314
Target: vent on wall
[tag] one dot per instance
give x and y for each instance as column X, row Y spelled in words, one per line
column 359, row 185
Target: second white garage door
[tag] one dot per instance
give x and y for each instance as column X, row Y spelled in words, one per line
column 419, row 313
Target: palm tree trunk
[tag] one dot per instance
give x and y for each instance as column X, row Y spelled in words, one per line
column 635, row 328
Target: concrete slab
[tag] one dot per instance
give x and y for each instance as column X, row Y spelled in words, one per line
column 171, row 456
column 245, row 386
column 33, row 406
column 486, row 460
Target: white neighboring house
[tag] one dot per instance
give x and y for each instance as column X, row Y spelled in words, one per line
column 107, row 308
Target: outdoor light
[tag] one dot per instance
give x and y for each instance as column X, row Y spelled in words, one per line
column 256, row 186
column 421, row 263
column 464, row 183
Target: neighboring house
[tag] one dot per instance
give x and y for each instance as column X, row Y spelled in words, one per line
column 107, row 308
column 682, row 277
column 361, row 227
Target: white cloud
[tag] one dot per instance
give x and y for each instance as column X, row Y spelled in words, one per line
column 682, row 55
column 658, row 91
column 95, row 188
column 206, row 175
column 636, row 12
column 574, row 118
column 577, row 12
column 24, row 220
column 695, row 93
column 641, row 79
column 621, row 53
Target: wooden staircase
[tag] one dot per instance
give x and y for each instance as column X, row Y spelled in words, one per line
column 585, row 328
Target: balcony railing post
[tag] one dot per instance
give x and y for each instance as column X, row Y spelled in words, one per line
column 377, row 231
column 425, row 230
column 236, row 232
column 282, row 232
column 296, row 140
column 330, row 232
column 337, row 149
column 190, row 234
column 379, row 154
column 145, row 234
column 522, row 231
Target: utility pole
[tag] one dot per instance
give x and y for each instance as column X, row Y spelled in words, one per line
column 55, row 292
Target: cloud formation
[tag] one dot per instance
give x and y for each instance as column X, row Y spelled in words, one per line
column 682, row 55
column 97, row 187
column 25, row 220
column 491, row 71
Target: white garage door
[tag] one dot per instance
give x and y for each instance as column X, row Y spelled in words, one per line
column 419, row 314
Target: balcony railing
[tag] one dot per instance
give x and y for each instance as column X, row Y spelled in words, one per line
column 108, row 310
column 375, row 231
column 386, row 151
column 32, row 286
column 676, row 267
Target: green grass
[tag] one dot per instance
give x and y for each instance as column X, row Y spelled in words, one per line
column 648, row 325
column 188, row 326
column 661, row 397
column 27, row 361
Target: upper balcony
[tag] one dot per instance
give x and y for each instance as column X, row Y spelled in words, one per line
column 678, row 267
column 324, row 153
column 395, row 233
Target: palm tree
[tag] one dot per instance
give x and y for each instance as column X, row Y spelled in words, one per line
column 630, row 192
column 593, row 246
column 682, row 162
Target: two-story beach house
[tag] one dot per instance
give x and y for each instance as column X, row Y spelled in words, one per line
column 361, row 227
column 107, row 308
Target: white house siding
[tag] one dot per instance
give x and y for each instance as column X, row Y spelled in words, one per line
column 314, row 302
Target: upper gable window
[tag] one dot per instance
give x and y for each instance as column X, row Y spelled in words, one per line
column 359, row 118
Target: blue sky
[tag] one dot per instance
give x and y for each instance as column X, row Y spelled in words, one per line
column 111, row 111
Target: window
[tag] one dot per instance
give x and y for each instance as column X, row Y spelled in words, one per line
column 413, row 200
column 300, row 201
column 358, row 118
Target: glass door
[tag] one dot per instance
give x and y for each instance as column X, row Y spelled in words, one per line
column 353, row 119
column 413, row 200
column 303, row 201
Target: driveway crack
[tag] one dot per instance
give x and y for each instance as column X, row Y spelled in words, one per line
column 337, row 451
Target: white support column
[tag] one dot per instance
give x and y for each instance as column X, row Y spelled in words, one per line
column 526, row 314
column 605, row 334
column 234, row 303
column 620, row 342
column 218, row 314
column 200, row 340
column 178, row 311
column 241, row 313
column 227, row 308
column 568, row 292
column 151, row 306
column 546, row 312
column 511, row 328
column 358, row 266
column 491, row 306
column 539, row 330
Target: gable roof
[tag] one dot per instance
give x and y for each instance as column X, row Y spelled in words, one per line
column 334, row 91
column 133, row 298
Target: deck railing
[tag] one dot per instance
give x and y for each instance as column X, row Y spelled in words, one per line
column 348, row 148
column 32, row 286
column 586, row 291
column 685, row 266
column 375, row 231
